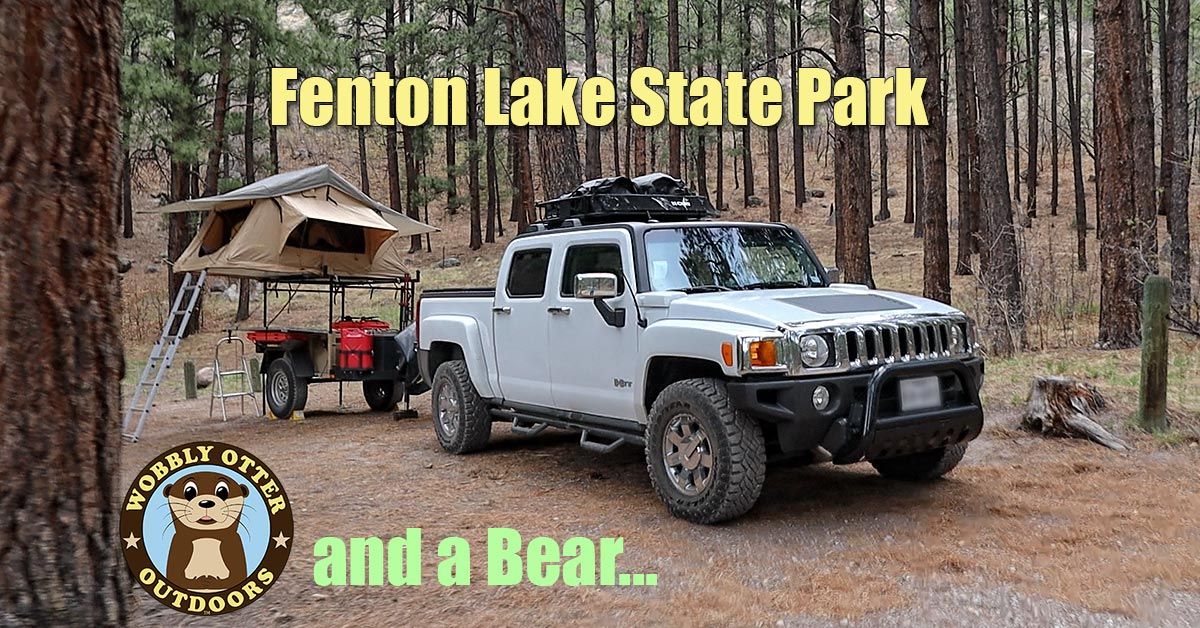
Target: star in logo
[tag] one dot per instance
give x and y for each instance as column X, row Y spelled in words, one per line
column 281, row 540
column 131, row 541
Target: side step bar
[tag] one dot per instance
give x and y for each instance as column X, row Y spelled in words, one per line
column 598, row 434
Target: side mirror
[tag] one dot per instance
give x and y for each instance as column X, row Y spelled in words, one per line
column 598, row 287
column 595, row 286
column 834, row 274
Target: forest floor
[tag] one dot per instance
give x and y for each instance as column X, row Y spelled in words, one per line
column 1027, row 531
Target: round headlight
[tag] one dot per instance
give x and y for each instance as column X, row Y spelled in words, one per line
column 814, row 351
column 956, row 339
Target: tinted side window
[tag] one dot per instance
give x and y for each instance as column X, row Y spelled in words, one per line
column 527, row 275
column 591, row 258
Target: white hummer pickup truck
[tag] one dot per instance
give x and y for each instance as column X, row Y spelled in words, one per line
column 716, row 346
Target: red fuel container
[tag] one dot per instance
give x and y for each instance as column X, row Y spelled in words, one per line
column 354, row 353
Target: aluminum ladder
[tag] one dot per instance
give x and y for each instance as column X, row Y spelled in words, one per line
column 217, row 390
column 155, row 371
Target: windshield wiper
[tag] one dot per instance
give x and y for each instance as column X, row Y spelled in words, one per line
column 712, row 287
column 771, row 285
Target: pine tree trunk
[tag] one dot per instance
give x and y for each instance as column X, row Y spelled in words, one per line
column 720, row 17
column 1000, row 270
column 389, row 133
column 558, row 149
column 774, row 203
column 1055, row 147
column 933, row 152
column 522, row 168
column 1075, row 121
column 493, row 203
column 798, row 175
column 884, row 212
column 248, row 165
column 1033, row 81
column 616, row 123
column 1176, row 147
column 701, row 145
column 639, row 56
column 747, row 149
column 476, row 241
column 674, row 132
column 212, row 173
column 964, row 102
column 591, row 162
column 126, row 197
column 1120, row 57
column 60, row 562
column 852, row 157
column 183, row 116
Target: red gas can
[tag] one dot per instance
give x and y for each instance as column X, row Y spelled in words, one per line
column 354, row 353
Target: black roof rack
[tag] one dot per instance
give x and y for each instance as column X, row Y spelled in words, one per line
column 652, row 197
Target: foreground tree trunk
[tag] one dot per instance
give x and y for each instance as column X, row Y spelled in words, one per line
column 558, row 148
column 933, row 152
column 852, row 152
column 1120, row 57
column 60, row 558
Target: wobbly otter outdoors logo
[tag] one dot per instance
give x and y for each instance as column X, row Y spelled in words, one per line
column 206, row 528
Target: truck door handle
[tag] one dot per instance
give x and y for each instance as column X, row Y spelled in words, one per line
column 502, row 310
column 559, row 310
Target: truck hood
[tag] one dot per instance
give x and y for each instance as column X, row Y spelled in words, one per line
column 794, row 307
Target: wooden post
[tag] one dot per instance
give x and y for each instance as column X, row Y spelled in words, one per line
column 189, row 380
column 255, row 376
column 1152, row 395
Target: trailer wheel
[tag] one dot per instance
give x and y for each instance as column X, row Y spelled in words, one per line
column 382, row 394
column 286, row 393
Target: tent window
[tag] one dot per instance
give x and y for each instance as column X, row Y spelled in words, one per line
column 322, row 235
column 224, row 227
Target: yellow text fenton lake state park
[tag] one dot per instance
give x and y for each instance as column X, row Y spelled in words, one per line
column 653, row 97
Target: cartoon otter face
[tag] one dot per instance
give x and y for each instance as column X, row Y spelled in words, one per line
column 206, row 501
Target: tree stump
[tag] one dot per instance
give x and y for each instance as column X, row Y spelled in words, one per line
column 1064, row 407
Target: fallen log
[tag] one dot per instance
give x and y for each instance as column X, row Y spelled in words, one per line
column 1064, row 407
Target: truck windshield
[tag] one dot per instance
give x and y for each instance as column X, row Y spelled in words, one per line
column 698, row 258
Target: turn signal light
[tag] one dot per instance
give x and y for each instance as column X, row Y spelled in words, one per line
column 727, row 353
column 762, row 353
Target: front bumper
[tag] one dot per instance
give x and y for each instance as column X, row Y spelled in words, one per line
column 863, row 419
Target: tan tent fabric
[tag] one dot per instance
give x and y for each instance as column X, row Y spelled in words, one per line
column 318, row 232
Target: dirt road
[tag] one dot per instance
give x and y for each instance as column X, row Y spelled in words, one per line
column 1026, row 532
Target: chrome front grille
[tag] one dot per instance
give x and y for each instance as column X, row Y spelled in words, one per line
column 882, row 343
column 874, row 343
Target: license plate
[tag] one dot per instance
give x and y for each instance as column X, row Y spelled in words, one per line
column 920, row 393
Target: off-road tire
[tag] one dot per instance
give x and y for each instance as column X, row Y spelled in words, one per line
column 922, row 467
column 472, row 427
column 382, row 394
column 738, row 450
column 286, row 393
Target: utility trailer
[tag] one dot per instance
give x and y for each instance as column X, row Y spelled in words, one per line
column 347, row 349
column 312, row 231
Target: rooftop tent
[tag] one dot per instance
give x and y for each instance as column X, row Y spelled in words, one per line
column 309, row 222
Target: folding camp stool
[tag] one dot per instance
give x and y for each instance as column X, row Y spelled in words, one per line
column 237, row 346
